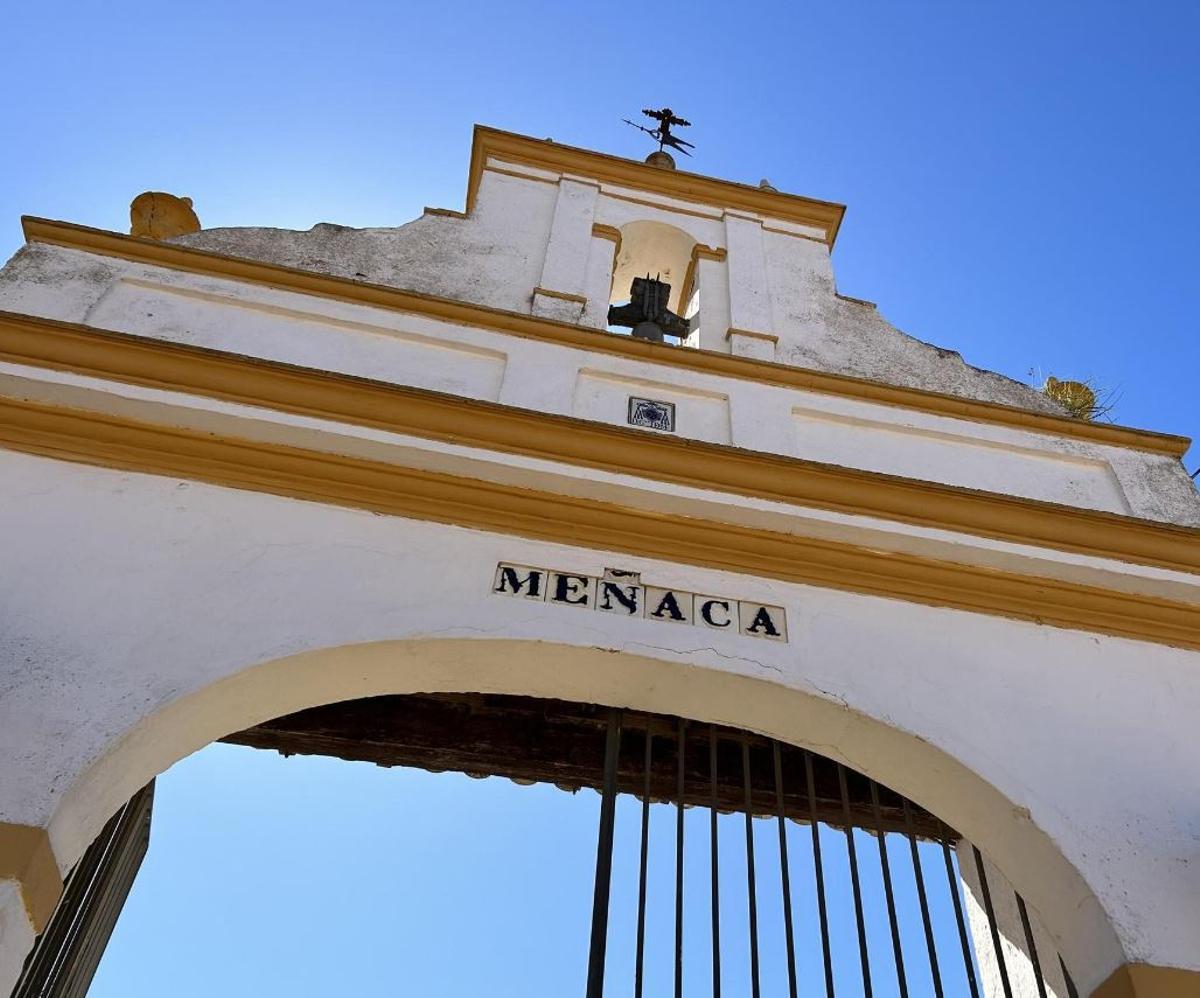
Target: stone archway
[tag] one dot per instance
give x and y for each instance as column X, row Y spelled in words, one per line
column 562, row 671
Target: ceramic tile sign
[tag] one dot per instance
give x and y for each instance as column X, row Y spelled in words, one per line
column 624, row 594
column 655, row 415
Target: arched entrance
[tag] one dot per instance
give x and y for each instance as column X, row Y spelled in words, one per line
column 880, row 913
column 750, row 713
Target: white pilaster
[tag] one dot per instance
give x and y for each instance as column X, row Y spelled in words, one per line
column 714, row 303
column 561, row 291
column 601, row 261
column 751, row 330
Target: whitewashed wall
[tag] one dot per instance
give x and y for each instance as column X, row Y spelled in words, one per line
column 142, row 616
column 171, row 613
column 478, row 363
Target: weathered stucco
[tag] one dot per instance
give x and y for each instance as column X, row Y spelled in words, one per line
column 143, row 614
column 124, row 670
column 496, row 257
column 493, row 258
column 384, row 345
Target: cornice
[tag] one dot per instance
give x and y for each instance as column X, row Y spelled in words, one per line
column 207, row 263
column 544, row 154
column 108, row 441
column 343, row 398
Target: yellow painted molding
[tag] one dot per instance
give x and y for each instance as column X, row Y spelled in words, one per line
column 584, row 181
column 1141, row 980
column 794, row 235
column 699, row 252
column 207, row 263
column 108, row 441
column 612, row 233
column 712, row 216
column 27, row 857
column 602, row 231
column 733, row 331
column 400, row 409
column 493, row 168
column 721, row 194
column 447, row 212
column 564, row 295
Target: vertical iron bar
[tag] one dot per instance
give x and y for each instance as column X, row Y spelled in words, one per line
column 925, row 919
column 1072, row 992
column 679, row 866
column 639, row 961
column 815, row 825
column 784, row 874
column 992, row 926
column 864, row 956
column 604, row 850
column 751, row 899
column 963, row 938
column 1033, row 953
column 889, row 896
column 716, row 879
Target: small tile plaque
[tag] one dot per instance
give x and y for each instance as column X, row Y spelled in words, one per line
column 655, row 415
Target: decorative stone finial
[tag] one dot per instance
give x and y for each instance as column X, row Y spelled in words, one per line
column 157, row 215
column 661, row 159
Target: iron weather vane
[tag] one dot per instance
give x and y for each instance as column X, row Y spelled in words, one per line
column 662, row 134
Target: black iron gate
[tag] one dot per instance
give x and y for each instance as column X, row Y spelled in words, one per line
column 881, row 911
column 725, row 771
column 66, row 954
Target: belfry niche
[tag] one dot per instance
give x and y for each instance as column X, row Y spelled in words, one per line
column 599, row 480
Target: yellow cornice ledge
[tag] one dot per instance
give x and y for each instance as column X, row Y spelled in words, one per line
column 114, row 442
column 208, row 263
column 158, row 364
column 27, row 857
column 543, row 154
column 1141, row 980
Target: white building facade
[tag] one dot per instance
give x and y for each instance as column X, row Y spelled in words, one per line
column 249, row 471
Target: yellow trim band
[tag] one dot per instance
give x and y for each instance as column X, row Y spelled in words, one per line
column 699, row 252
column 602, row 231
column 445, row 212
column 195, row 261
column 564, row 295
column 27, row 857
column 733, row 331
column 108, row 441
column 327, row 395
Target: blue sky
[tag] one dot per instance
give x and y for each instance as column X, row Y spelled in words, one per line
column 1020, row 176
column 310, row 877
column 1021, row 183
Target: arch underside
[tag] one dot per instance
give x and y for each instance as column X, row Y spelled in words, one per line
column 556, row 670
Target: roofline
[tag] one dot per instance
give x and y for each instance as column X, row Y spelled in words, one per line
column 546, row 154
column 197, row 261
